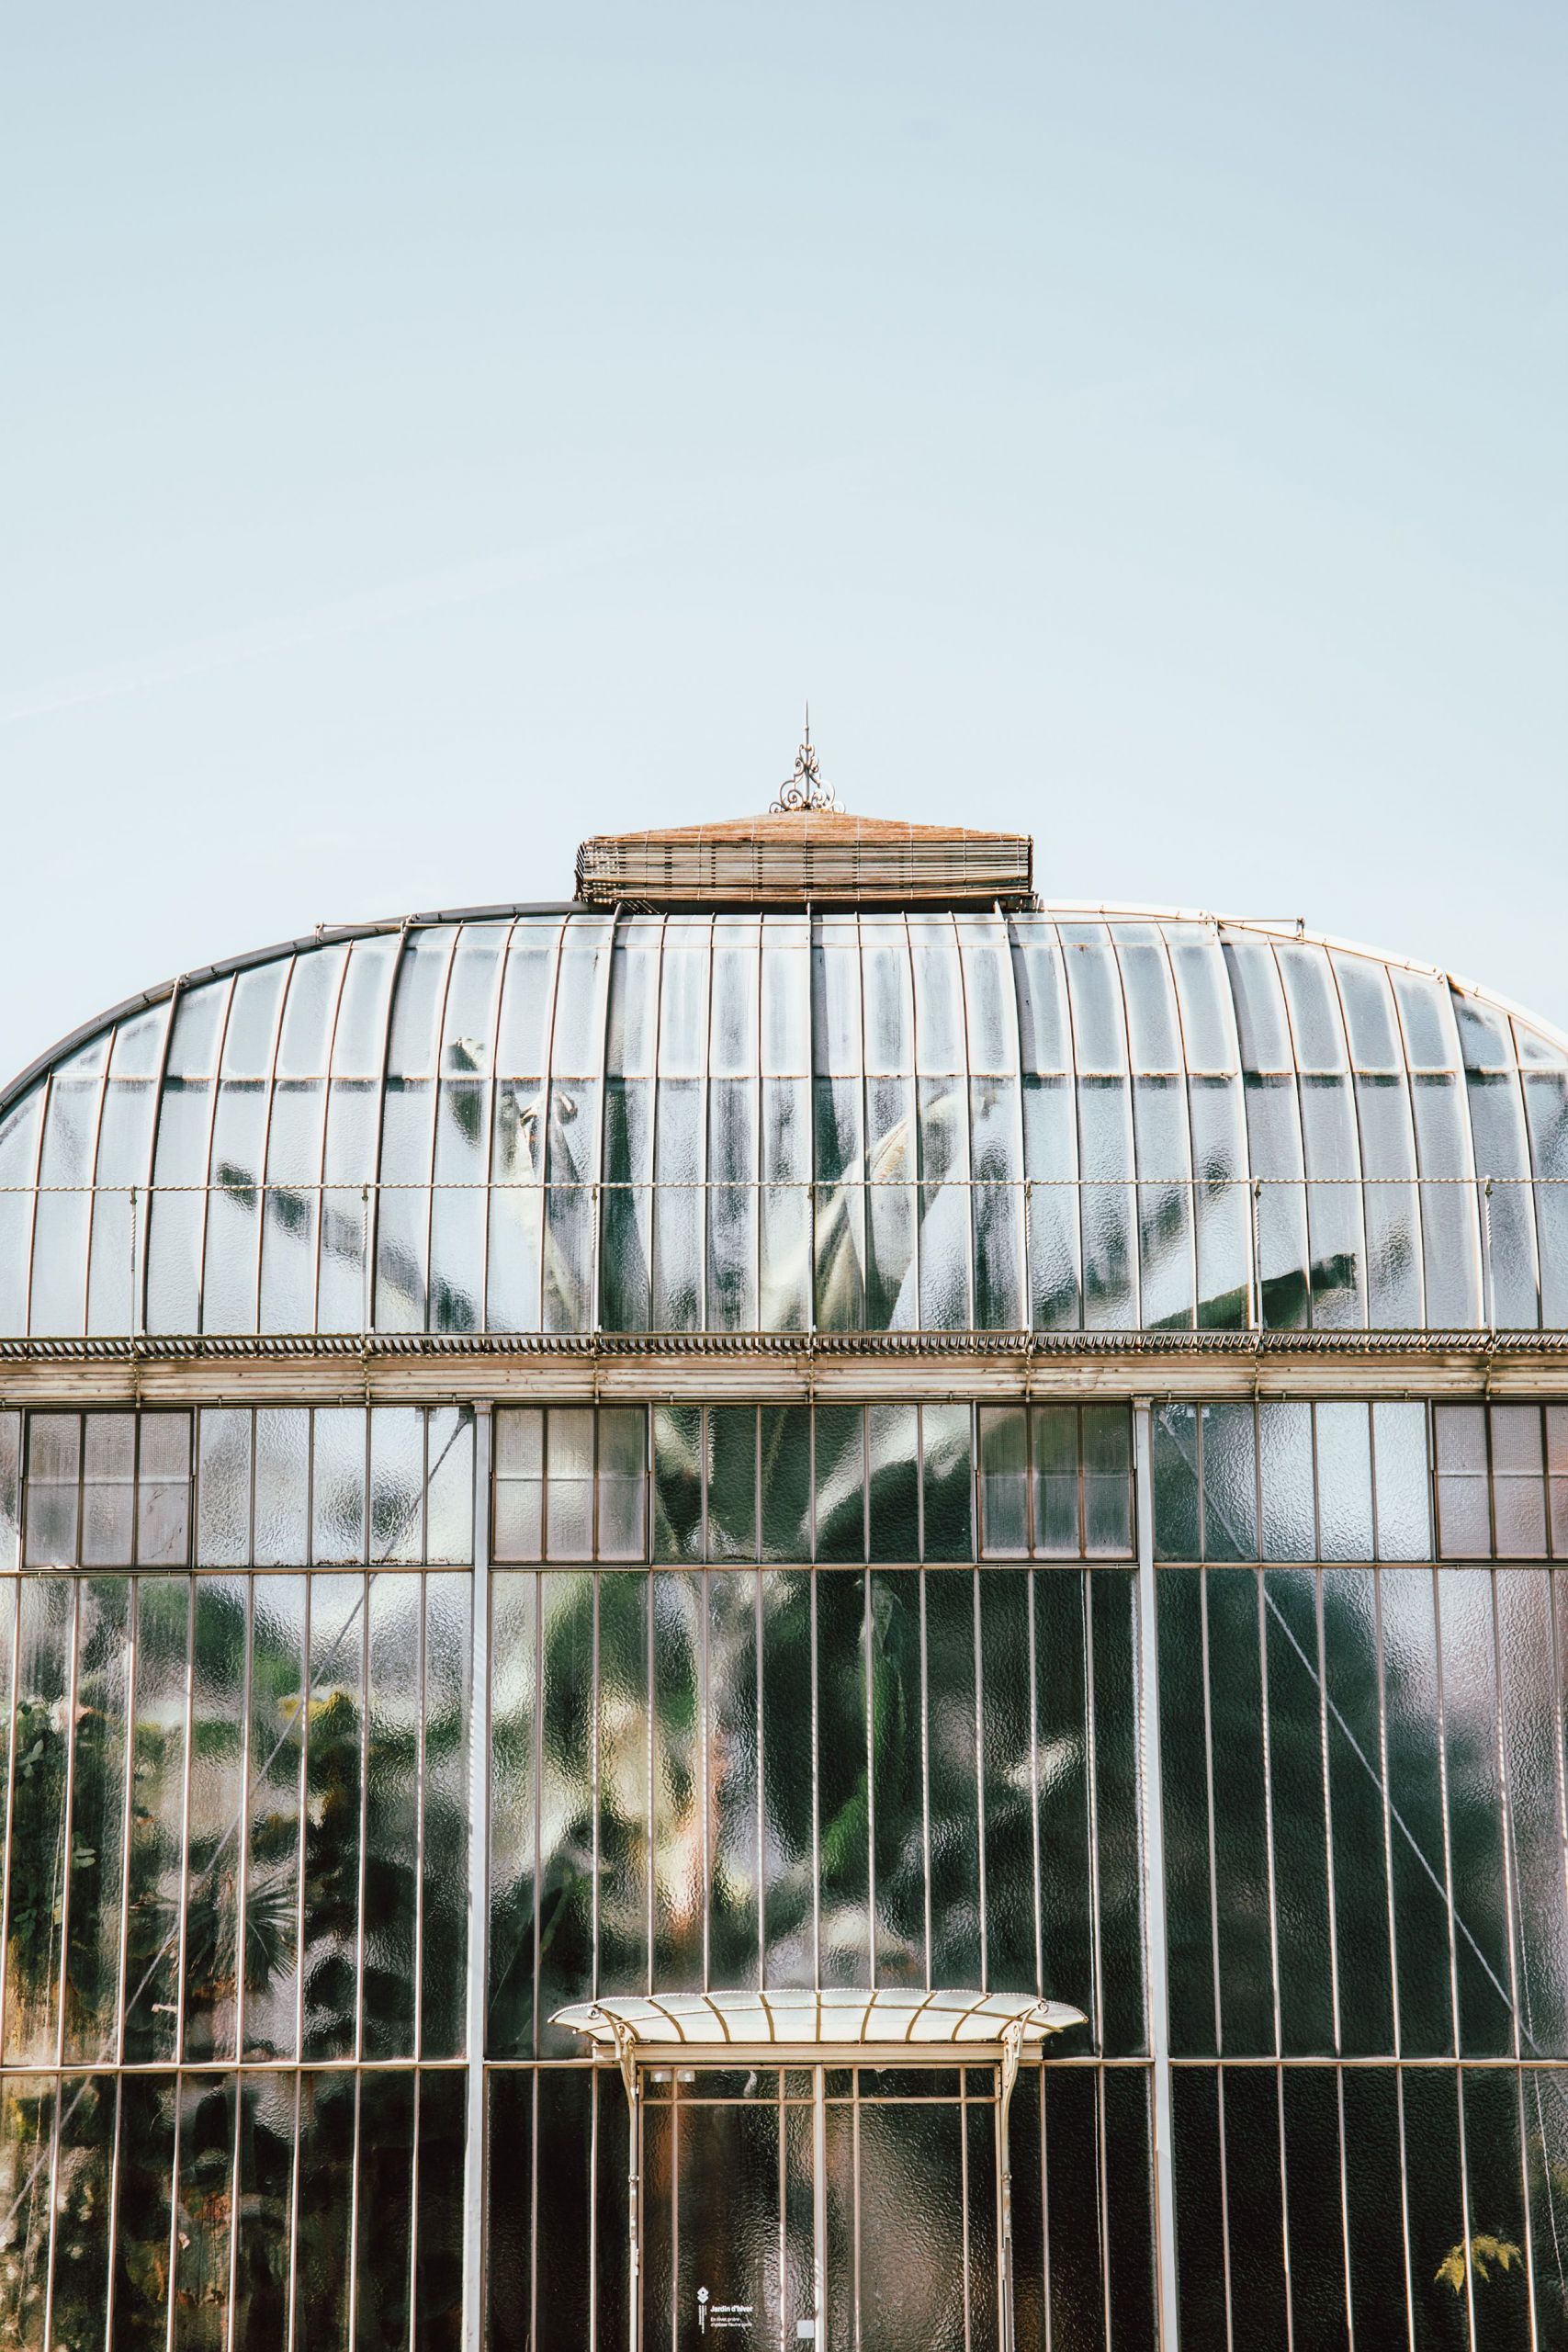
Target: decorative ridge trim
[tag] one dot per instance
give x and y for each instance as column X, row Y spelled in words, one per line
column 720, row 1346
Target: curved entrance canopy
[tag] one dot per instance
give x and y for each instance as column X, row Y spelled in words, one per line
column 836, row 2018
column 825, row 2030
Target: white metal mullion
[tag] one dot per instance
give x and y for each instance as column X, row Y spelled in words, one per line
column 364, row 1662
column 330, row 1043
column 1357, row 1186
column 435, row 1092
column 704, row 1187
column 67, row 1834
column 1453, row 1944
column 53, row 2208
column 371, row 1222
column 215, row 1097
column 926, row 1769
column 355, row 2170
column 546, row 1083
column 980, row 1781
column 46, row 1092
column 262, row 1192
column 1514, row 1911
column 964, row 1081
column 12, row 1697
column 141, row 1276
column 1074, row 1076
column 1035, row 1850
column 94, row 1157
column 1166, row 2309
column 503, row 965
column 414, row 2333
column 421, row 1767
column 171, row 2270
column 179, row 2051
column 243, row 1843
column 870, row 1687
column 305, row 1681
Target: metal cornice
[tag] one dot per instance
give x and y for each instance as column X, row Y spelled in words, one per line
column 723, row 1347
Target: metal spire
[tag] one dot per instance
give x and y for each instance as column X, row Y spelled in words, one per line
column 805, row 789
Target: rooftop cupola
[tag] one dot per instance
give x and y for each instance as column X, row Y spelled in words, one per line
column 806, row 850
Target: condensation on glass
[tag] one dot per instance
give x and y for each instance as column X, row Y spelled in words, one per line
column 681, row 1122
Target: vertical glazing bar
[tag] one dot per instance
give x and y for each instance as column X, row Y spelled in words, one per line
column 1007, row 2076
column 139, row 1274
column 926, row 1771
column 1154, row 1849
column 980, row 1779
column 819, row 2200
column 370, row 1236
column 214, row 1099
column 479, row 1894
column 10, row 1699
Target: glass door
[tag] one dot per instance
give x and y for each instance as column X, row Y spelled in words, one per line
column 853, row 2208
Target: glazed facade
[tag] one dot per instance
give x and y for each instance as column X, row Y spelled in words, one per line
column 546, row 1458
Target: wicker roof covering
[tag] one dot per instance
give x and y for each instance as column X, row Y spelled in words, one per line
column 820, row 854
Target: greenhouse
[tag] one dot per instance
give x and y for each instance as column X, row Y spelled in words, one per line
column 801, row 1602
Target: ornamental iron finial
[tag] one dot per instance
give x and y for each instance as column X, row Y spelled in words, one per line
column 805, row 789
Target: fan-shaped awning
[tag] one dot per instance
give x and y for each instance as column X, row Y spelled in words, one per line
column 835, row 2020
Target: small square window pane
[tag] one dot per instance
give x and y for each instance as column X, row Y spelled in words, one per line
column 1557, row 1439
column 1520, row 1508
column 1460, row 1432
column 165, row 1445
column 1516, row 1440
column 54, row 1445
column 519, row 1519
column 1108, row 1441
column 108, row 1451
column 520, row 1443
column 569, row 1442
column 106, row 1527
column 162, row 1523
column 621, row 1441
column 51, row 1525
column 621, row 1519
column 1108, row 1517
column 1558, row 1497
column 571, row 1521
column 1464, row 1530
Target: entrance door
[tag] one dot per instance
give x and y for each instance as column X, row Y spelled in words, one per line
column 854, row 2208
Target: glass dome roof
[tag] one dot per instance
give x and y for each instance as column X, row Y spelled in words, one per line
column 572, row 1121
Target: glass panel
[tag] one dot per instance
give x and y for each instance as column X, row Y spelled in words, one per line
column 1345, row 1481
column 1004, row 1482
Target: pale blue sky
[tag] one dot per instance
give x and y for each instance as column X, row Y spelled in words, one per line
column 433, row 433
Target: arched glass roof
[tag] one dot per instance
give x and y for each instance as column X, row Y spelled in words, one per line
column 569, row 1121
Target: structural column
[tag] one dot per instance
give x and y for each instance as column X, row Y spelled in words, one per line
column 1154, row 1850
